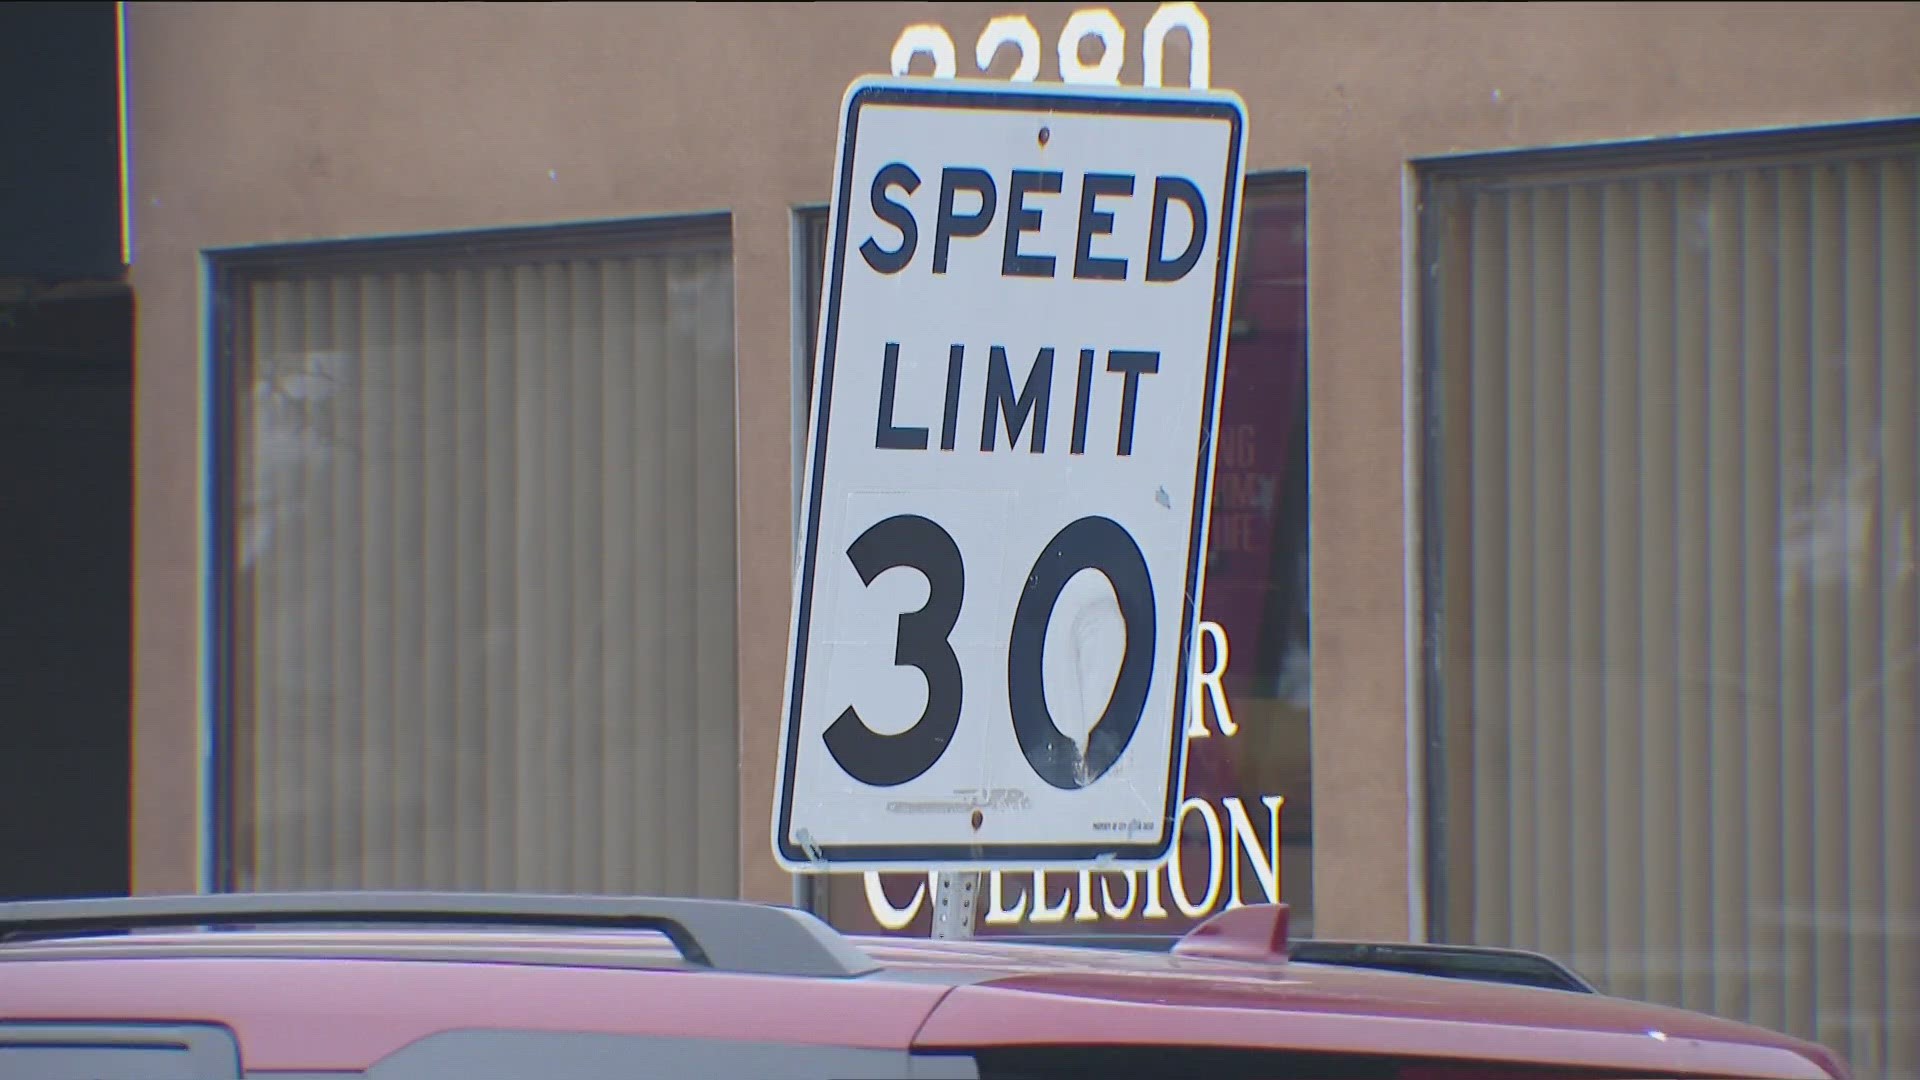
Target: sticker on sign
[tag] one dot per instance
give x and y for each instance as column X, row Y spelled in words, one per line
column 1008, row 469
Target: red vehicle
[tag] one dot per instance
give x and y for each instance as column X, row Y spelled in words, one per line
column 498, row 987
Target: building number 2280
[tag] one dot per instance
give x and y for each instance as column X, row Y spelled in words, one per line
column 933, row 41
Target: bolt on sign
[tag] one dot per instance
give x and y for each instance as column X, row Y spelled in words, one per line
column 1008, row 470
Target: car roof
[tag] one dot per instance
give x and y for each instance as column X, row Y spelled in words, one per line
column 1311, row 1006
column 403, row 982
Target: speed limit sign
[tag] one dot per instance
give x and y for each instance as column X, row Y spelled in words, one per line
column 1008, row 469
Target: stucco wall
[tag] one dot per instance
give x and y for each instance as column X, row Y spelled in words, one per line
column 263, row 123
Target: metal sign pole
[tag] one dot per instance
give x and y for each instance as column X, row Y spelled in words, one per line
column 954, row 894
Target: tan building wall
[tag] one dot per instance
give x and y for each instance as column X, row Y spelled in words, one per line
column 257, row 123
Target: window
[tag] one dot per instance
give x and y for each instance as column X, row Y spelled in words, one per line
column 486, row 1054
column 477, row 563
column 64, row 1051
column 1671, row 521
column 1246, row 833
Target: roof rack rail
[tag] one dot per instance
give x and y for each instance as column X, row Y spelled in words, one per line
column 725, row 935
column 1471, row 962
column 1477, row 963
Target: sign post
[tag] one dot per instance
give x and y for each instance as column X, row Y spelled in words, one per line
column 1009, row 464
column 956, row 893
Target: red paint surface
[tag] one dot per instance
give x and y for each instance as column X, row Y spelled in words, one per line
column 293, row 1007
column 313, row 1014
column 1052, row 1009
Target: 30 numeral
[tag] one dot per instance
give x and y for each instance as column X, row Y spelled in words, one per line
column 923, row 641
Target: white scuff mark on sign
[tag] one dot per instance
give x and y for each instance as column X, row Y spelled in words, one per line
column 1089, row 645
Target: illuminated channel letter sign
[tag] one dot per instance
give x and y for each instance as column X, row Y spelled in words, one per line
column 1007, row 476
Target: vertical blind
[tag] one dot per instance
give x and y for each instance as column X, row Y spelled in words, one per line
column 1679, row 606
column 482, row 621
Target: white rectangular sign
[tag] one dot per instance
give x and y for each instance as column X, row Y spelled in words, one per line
column 1009, row 462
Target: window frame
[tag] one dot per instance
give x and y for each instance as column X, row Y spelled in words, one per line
column 226, row 274
column 810, row 223
column 1436, row 178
